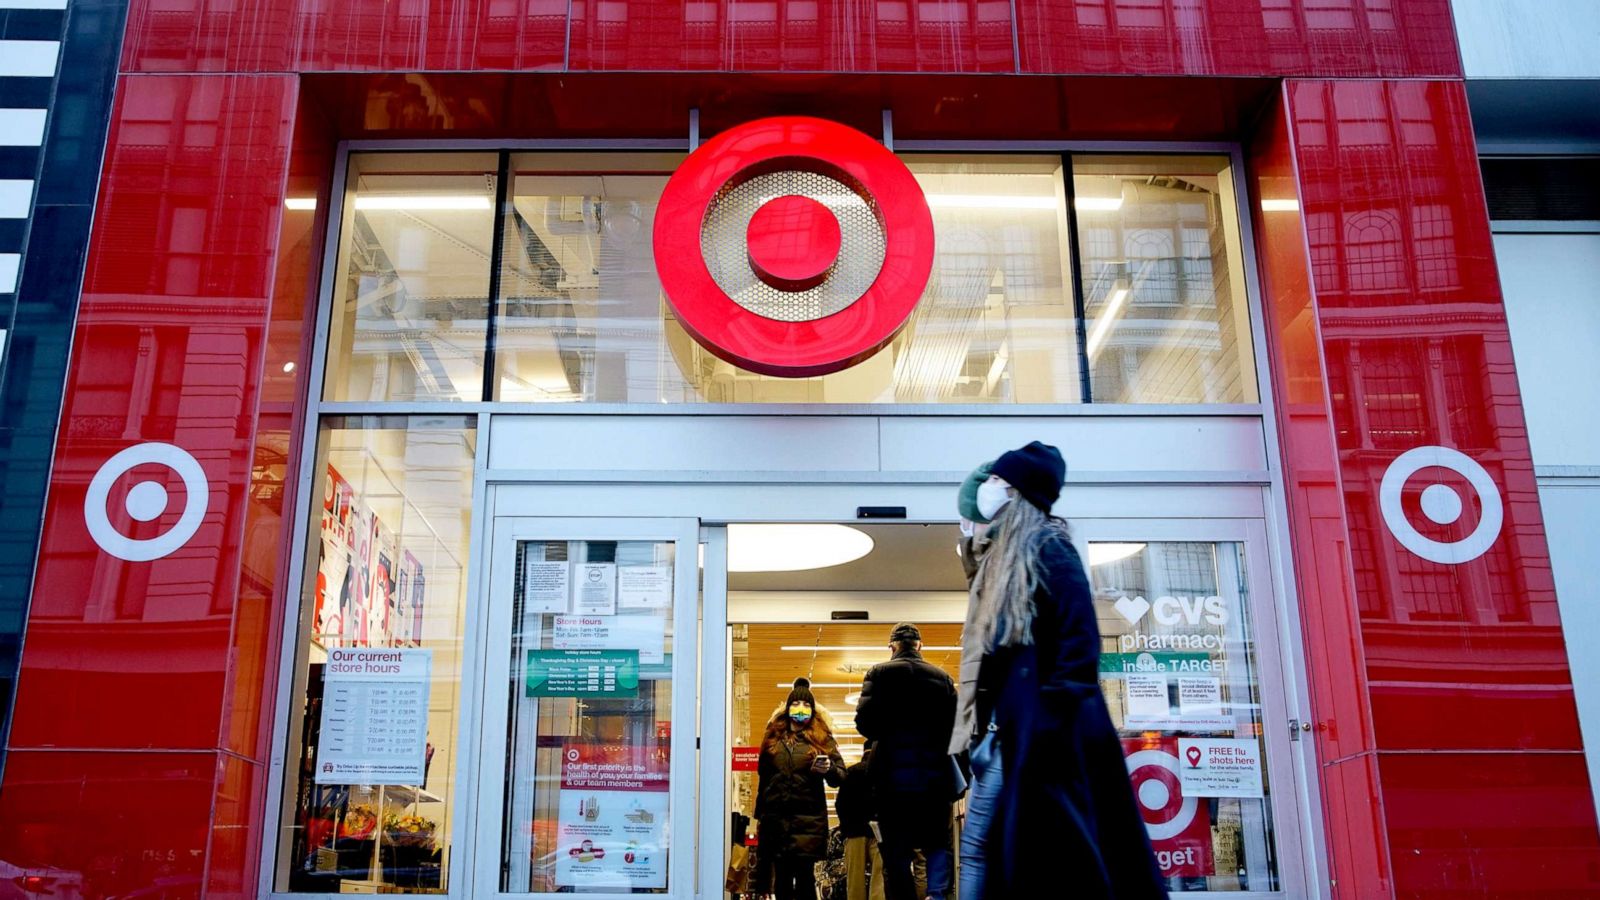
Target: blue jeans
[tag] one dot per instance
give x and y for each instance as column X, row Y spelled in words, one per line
column 980, row 813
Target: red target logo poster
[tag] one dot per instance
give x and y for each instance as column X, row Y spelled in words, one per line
column 793, row 246
column 1179, row 826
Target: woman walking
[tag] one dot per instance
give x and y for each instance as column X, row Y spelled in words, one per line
column 798, row 754
column 1051, row 813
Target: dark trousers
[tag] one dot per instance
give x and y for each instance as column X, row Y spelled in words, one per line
column 900, row 882
column 917, row 826
column 794, row 879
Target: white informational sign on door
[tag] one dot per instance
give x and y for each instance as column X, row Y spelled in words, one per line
column 595, row 588
column 611, row 831
column 644, row 587
column 546, row 586
column 1199, row 696
column 1147, row 700
column 374, row 717
column 644, row 633
column 1219, row 768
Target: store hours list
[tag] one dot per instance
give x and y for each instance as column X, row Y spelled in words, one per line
column 374, row 717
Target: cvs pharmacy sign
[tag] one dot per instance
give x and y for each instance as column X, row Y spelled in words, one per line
column 1175, row 611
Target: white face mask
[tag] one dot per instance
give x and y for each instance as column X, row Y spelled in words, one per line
column 991, row 496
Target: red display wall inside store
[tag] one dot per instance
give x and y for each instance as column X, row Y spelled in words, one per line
column 139, row 751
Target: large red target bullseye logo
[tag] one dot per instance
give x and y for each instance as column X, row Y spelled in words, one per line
column 793, row 246
column 1157, row 787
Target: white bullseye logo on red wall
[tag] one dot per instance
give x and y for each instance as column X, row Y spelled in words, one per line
column 793, row 246
column 1441, row 504
column 146, row 501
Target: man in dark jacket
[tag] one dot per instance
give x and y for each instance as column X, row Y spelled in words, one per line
column 854, row 806
column 907, row 709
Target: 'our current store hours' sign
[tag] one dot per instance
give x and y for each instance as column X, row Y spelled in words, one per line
column 374, row 717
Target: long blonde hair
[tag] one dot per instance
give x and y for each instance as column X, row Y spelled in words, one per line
column 1010, row 573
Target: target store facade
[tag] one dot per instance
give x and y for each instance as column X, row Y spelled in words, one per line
column 439, row 369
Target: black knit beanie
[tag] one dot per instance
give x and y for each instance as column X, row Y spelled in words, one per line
column 800, row 693
column 1037, row 471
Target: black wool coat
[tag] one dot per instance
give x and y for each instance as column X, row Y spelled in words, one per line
column 1065, row 823
column 907, row 709
column 790, row 804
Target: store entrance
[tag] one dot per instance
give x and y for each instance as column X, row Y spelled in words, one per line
column 624, row 659
column 1189, row 664
column 828, row 625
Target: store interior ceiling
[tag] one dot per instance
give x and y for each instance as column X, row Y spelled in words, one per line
column 904, row 557
column 909, row 563
column 835, row 656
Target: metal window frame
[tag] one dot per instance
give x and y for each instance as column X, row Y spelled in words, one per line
column 1064, row 149
column 1314, row 861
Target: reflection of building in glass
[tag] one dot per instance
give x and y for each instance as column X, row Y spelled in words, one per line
column 580, row 317
column 1163, row 283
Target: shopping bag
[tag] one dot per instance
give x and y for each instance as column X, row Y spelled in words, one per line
column 738, row 880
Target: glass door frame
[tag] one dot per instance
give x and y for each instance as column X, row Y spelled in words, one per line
column 1242, row 513
column 716, row 712
column 1283, row 752
column 1283, row 764
column 486, row 825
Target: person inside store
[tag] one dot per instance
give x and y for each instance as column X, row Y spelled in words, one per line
column 821, row 712
column 907, row 709
column 853, row 806
column 1051, row 810
column 798, row 756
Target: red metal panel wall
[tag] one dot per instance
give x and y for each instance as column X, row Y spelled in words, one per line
column 1352, row 809
column 157, row 664
column 1327, row 38
column 1446, row 727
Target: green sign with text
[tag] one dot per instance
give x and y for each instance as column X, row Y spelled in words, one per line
column 582, row 673
column 1158, row 663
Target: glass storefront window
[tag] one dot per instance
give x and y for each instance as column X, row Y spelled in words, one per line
column 373, row 736
column 588, row 743
column 411, row 293
column 579, row 315
column 1179, row 670
column 582, row 317
column 1161, row 271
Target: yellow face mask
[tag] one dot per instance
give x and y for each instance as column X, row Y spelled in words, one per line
column 800, row 712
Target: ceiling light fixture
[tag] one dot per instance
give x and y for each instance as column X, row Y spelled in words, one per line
column 990, row 201
column 1097, row 204
column 1101, row 554
column 1102, row 324
column 822, row 684
column 1286, row 204
column 794, row 548
column 1020, row 201
column 423, row 202
column 864, row 648
column 299, row 203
